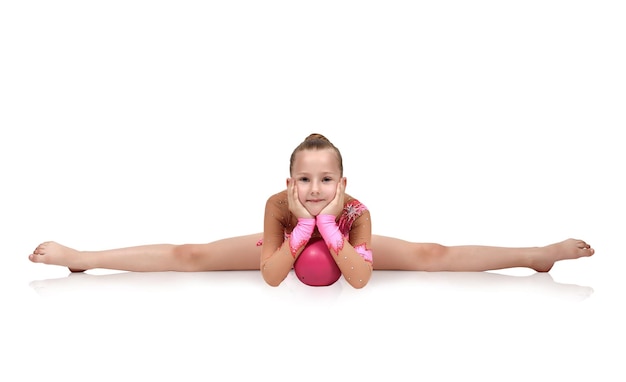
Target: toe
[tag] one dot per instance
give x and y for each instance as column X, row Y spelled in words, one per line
column 582, row 244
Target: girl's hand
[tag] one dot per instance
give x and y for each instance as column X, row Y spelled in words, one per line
column 336, row 205
column 296, row 208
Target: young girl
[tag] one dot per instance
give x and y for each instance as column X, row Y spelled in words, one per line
column 314, row 206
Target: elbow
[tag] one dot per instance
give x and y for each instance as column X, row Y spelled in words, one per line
column 272, row 283
column 358, row 282
column 358, row 278
column 272, row 280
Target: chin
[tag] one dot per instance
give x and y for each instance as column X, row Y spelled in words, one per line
column 315, row 211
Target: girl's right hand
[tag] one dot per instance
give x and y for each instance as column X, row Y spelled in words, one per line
column 295, row 206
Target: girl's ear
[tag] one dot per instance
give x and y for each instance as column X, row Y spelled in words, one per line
column 345, row 181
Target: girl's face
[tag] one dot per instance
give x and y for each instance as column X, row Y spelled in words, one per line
column 317, row 174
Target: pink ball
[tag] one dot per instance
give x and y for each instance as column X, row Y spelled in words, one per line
column 315, row 265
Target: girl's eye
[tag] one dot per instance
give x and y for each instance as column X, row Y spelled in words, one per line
column 304, row 179
column 327, row 179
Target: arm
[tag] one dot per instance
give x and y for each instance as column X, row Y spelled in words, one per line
column 353, row 256
column 276, row 260
column 279, row 251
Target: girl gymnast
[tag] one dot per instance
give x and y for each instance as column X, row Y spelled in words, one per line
column 314, row 206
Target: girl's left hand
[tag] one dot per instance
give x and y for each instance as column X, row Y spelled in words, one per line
column 336, row 205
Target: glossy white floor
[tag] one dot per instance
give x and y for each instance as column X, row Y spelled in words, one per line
column 403, row 325
column 133, row 123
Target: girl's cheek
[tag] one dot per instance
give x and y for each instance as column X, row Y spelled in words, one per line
column 333, row 192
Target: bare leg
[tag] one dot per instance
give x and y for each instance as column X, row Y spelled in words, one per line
column 237, row 253
column 396, row 254
column 241, row 253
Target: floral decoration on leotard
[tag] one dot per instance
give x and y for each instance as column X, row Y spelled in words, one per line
column 352, row 210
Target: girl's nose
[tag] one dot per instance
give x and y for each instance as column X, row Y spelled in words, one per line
column 315, row 188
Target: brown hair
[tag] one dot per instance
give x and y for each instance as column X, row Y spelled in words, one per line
column 315, row 142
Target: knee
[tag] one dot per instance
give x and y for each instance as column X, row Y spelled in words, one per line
column 431, row 257
column 185, row 257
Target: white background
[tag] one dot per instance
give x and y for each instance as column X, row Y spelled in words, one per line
column 135, row 122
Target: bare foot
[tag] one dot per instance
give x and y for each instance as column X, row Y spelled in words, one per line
column 564, row 250
column 54, row 253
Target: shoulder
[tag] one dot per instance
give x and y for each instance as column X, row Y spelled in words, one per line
column 353, row 208
column 352, row 203
column 278, row 198
column 278, row 206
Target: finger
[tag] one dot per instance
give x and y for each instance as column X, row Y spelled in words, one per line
column 340, row 191
column 290, row 189
column 295, row 190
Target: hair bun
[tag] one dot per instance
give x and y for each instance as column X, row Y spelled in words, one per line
column 316, row 136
